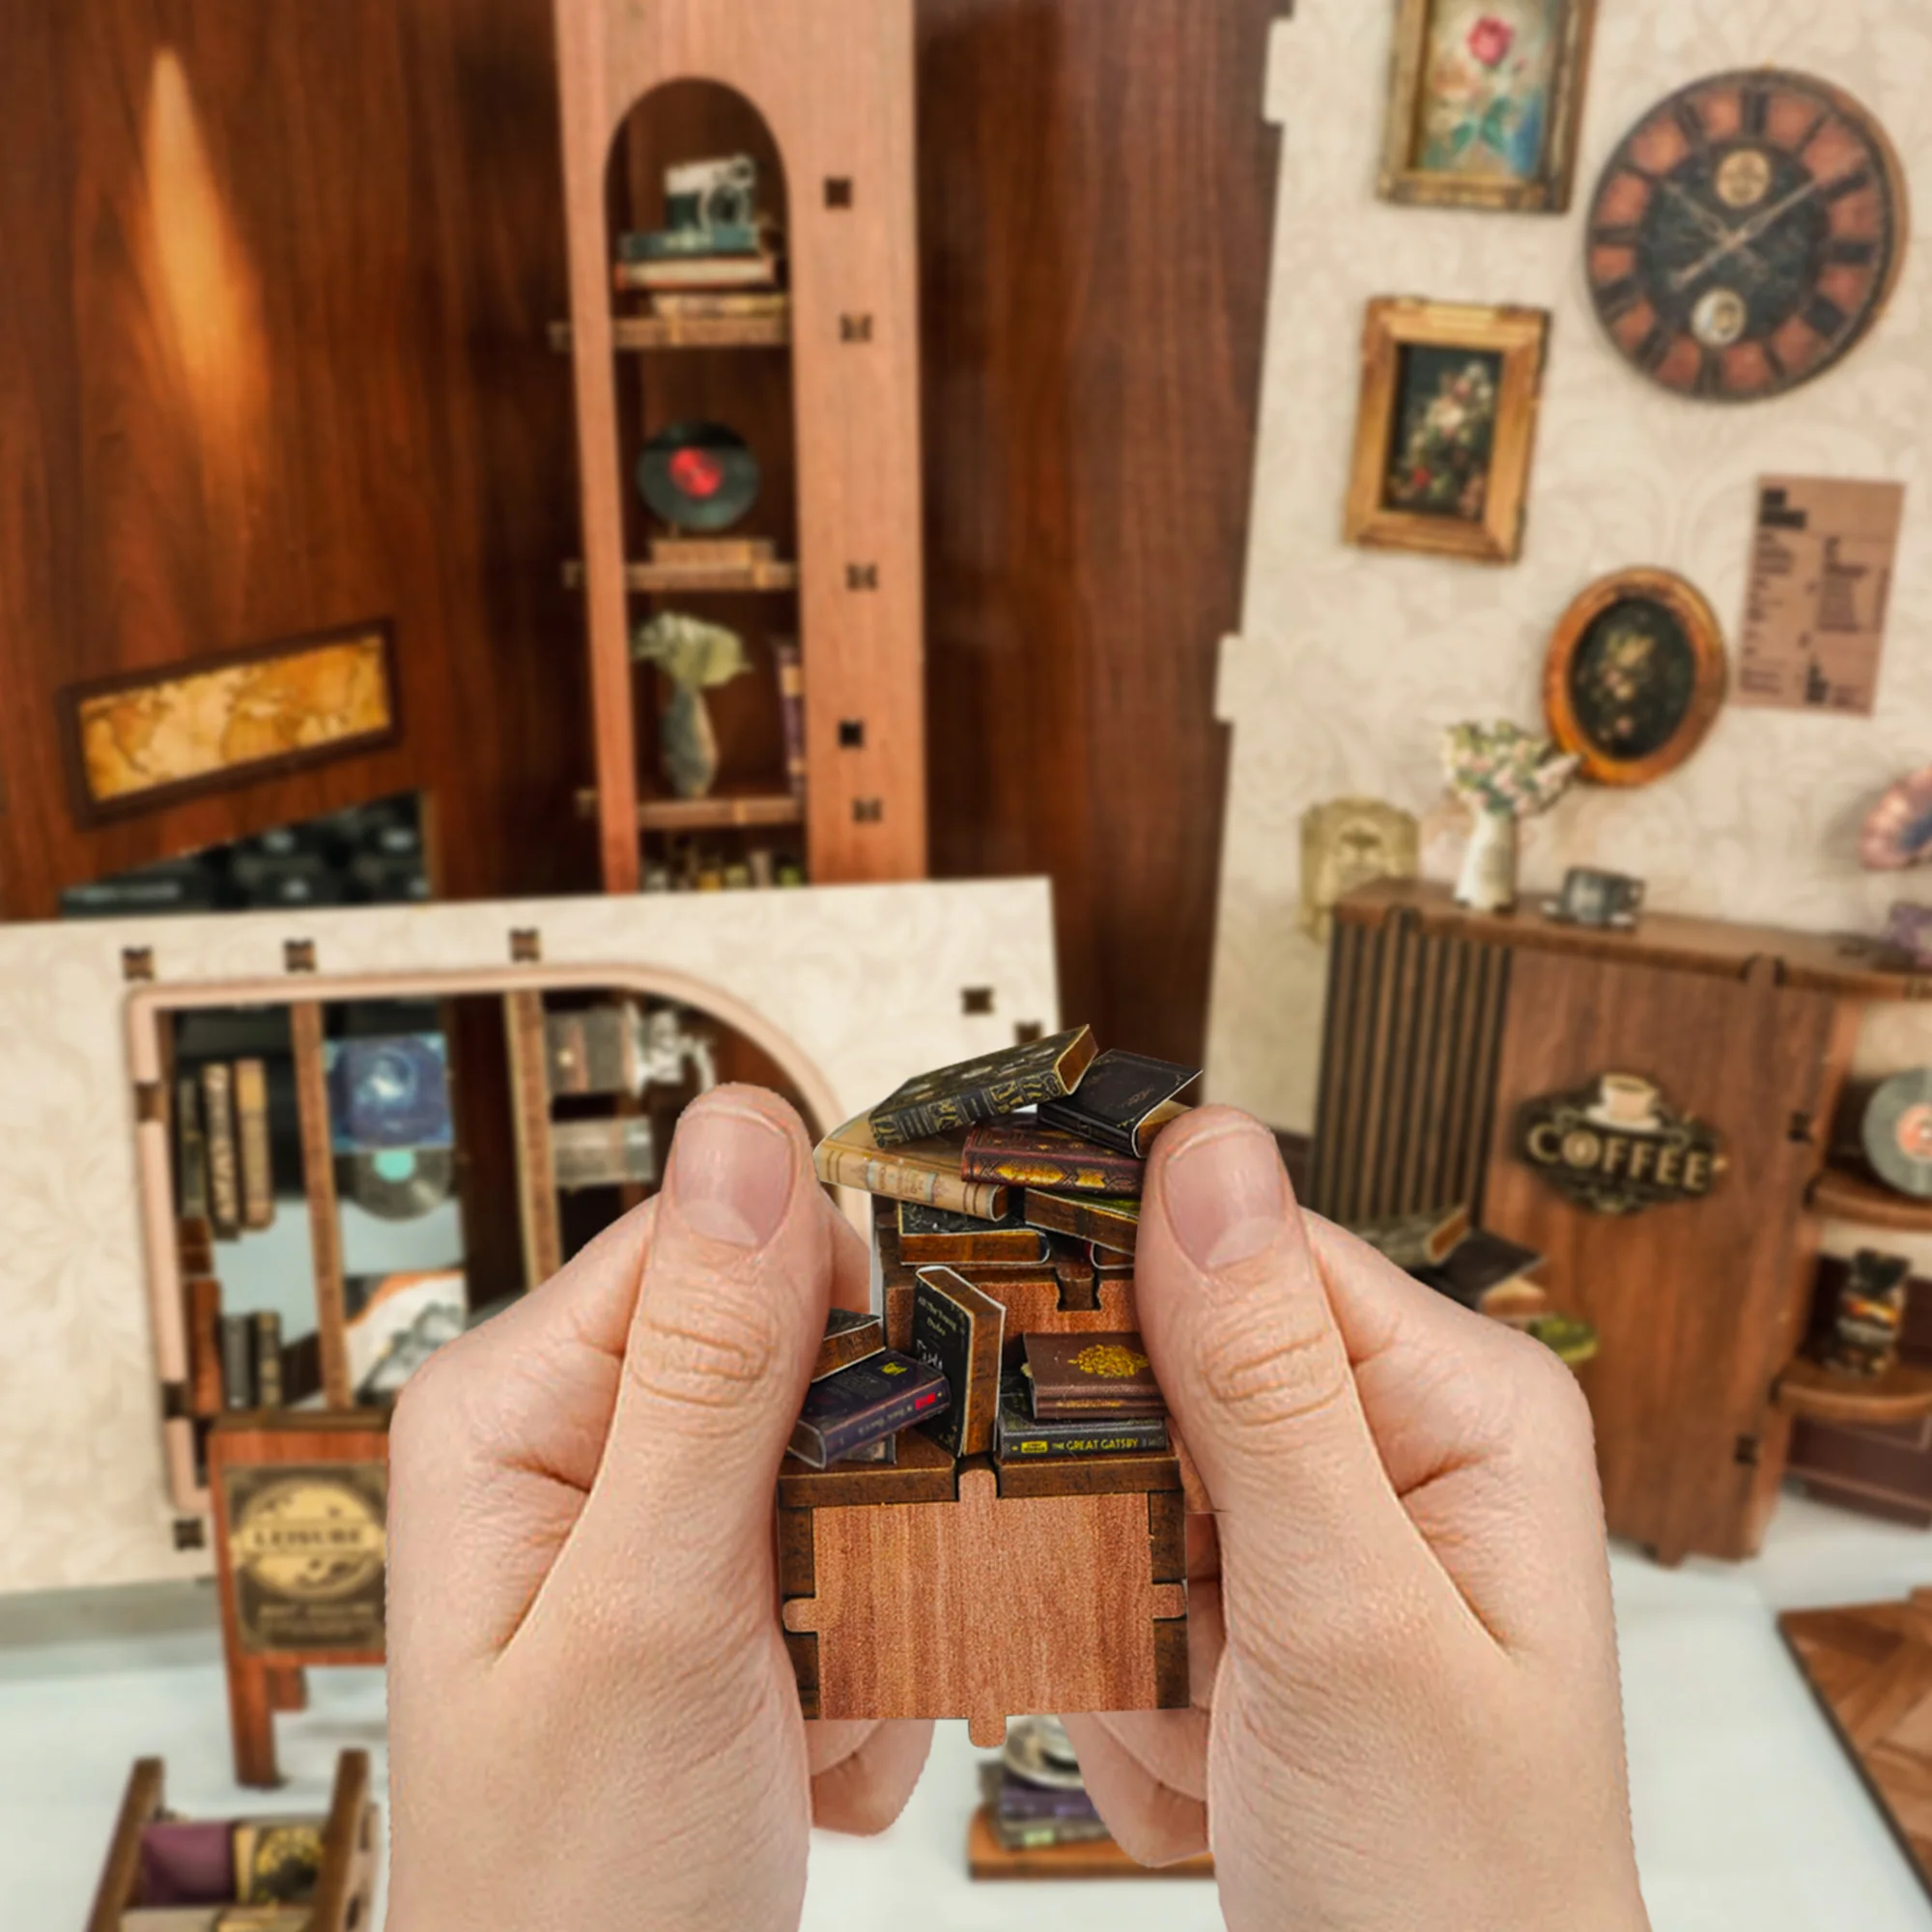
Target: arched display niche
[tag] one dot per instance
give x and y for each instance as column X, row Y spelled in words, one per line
column 512, row 1002
column 738, row 373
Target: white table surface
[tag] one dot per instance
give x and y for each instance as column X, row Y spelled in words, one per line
column 1748, row 1814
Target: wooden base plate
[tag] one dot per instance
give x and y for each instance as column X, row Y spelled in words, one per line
column 1871, row 1668
column 986, row 1857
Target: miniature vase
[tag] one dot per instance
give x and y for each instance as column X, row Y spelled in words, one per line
column 1487, row 881
column 689, row 743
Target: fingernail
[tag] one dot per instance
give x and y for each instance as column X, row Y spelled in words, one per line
column 1224, row 1196
column 730, row 1174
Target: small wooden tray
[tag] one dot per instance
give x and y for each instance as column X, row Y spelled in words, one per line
column 986, row 1857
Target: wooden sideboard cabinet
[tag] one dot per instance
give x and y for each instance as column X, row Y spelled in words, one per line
column 1448, row 1036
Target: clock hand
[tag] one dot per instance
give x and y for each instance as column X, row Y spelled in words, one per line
column 1700, row 213
column 1745, row 236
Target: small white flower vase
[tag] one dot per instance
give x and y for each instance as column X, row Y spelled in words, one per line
column 1488, row 880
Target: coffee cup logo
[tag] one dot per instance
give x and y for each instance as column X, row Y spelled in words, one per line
column 1617, row 1146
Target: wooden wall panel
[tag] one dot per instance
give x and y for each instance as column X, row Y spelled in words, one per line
column 1095, row 195
column 272, row 358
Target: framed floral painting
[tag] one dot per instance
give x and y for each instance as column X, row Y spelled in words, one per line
column 1635, row 676
column 1485, row 98
column 1446, row 429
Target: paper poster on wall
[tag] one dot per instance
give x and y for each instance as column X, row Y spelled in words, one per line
column 1822, row 562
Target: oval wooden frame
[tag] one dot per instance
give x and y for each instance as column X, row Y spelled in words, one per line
column 1692, row 611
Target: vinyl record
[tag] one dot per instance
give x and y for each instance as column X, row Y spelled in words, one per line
column 1898, row 1131
column 1898, row 833
column 698, row 476
column 397, row 1183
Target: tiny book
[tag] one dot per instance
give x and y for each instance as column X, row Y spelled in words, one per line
column 1023, row 1436
column 1414, row 1241
column 1107, row 1220
column 960, row 1330
column 268, row 1363
column 924, row 1171
column 858, row 1405
column 849, row 1337
column 224, row 1172
column 1122, row 1101
column 238, row 1362
column 1023, row 1153
column 1091, row 1376
column 932, row 1234
column 251, row 1142
column 972, row 1090
column 1489, row 1274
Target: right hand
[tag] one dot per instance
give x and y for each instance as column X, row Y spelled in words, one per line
column 1412, row 1723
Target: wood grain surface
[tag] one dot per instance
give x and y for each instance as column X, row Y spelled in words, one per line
column 1096, row 188
column 141, row 1804
column 964, row 1609
column 1870, row 1668
column 835, row 86
column 325, row 1218
column 1032, row 1305
column 1700, row 1306
column 273, row 361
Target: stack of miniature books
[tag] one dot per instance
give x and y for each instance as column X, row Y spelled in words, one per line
column 1007, row 1198
column 1485, row 1271
column 1033, row 1793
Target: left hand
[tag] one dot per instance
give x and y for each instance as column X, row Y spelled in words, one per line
column 594, row 1722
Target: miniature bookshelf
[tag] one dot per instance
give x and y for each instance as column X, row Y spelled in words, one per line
column 826, row 394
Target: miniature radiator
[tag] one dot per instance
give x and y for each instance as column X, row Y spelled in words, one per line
column 1409, row 1069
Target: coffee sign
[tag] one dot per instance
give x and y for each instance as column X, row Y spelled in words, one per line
column 1617, row 1147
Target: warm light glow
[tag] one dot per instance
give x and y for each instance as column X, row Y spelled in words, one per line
column 206, row 285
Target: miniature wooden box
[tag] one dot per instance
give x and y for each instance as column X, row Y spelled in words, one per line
column 944, row 1588
column 342, row 1896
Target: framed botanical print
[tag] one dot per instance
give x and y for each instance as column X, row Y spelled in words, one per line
column 1635, row 676
column 1446, row 429
column 1485, row 98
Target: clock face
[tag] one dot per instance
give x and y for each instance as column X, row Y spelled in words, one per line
column 1747, row 234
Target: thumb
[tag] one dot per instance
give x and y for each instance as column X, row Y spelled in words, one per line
column 1256, row 1370
column 728, row 1321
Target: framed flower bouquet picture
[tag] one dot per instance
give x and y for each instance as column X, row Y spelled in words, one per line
column 1447, row 428
column 1485, row 98
column 1635, row 676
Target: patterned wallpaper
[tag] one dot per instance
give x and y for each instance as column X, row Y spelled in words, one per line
column 1350, row 661
column 866, row 981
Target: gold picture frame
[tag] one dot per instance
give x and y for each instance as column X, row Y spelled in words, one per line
column 1634, row 719
column 1446, row 428
column 1518, row 69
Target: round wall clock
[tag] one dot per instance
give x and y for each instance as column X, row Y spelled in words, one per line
column 1747, row 234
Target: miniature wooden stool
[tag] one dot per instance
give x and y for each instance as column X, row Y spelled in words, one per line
column 341, row 1902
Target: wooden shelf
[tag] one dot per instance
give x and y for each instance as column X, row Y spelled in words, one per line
column 1847, row 964
column 640, row 334
column 718, row 814
column 647, row 579
column 1843, row 1194
column 1808, row 1388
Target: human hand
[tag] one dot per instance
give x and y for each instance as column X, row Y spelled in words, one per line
column 593, row 1720
column 1406, row 1675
